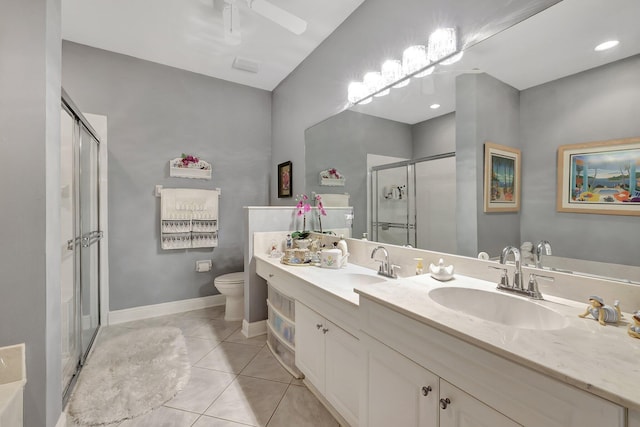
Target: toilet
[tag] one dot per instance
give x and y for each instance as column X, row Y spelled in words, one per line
column 231, row 285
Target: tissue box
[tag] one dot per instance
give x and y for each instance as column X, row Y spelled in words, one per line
column 331, row 258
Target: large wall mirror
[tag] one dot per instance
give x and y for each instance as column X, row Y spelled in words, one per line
column 565, row 93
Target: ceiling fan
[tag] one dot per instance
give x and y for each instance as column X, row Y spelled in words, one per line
column 231, row 18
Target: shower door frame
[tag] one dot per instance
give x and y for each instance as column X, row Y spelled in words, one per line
column 411, row 225
column 81, row 121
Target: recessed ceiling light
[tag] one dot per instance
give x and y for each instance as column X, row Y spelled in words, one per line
column 434, row 106
column 606, row 45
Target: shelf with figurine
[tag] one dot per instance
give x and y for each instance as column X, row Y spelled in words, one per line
column 188, row 166
column 332, row 177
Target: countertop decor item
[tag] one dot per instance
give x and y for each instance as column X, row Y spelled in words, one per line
column 601, row 312
column 189, row 166
column 634, row 330
column 440, row 271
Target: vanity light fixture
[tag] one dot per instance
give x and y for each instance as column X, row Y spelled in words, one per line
column 607, row 45
column 442, row 43
column 374, row 81
column 356, row 92
column 434, row 106
column 392, row 72
column 417, row 61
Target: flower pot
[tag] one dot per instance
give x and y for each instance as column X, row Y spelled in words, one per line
column 302, row 243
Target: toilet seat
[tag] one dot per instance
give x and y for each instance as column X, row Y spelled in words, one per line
column 230, row 279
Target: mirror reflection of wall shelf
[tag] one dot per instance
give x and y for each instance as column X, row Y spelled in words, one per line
column 189, row 218
column 189, row 166
column 332, row 177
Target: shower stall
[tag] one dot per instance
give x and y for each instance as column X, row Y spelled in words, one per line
column 413, row 203
column 81, row 236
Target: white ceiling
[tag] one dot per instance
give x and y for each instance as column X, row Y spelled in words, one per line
column 188, row 34
column 555, row 43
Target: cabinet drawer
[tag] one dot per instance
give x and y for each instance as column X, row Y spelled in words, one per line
column 285, row 355
column 282, row 326
column 285, row 305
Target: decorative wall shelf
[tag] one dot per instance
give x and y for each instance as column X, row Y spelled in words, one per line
column 332, row 177
column 199, row 170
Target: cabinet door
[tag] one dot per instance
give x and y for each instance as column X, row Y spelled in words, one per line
column 463, row 410
column 634, row 418
column 310, row 345
column 399, row 393
column 342, row 372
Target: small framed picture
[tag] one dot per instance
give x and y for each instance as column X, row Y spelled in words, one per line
column 600, row 177
column 285, row 180
column 501, row 178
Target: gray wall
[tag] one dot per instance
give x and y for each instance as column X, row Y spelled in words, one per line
column 317, row 88
column 155, row 113
column 434, row 136
column 594, row 105
column 343, row 142
column 486, row 110
column 29, row 185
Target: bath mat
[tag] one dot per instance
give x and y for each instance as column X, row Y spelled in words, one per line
column 129, row 375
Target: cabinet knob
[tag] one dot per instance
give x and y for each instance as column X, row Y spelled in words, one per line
column 318, row 325
column 270, row 274
column 325, row 330
column 426, row 390
column 444, row 403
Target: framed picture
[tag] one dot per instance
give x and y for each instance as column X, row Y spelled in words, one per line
column 501, row 178
column 285, row 180
column 600, row 177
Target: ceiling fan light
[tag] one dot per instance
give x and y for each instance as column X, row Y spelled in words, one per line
column 414, row 58
column 374, row 81
column 278, row 15
column 392, row 72
column 442, row 42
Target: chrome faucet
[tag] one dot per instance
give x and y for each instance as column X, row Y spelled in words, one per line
column 517, row 274
column 532, row 290
column 386, row 268
column 542, row 248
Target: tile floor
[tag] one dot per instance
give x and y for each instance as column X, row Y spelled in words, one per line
column 234, row 381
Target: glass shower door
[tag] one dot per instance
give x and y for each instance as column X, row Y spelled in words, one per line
column 393, row 212
column 90, row 236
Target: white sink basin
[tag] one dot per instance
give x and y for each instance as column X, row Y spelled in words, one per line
column 358, row 279
column 499, row 308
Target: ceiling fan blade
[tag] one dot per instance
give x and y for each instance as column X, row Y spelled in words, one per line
column 278, row 15
column 231, row 24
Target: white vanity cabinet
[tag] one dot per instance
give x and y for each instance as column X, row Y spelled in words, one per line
column 329, row 357
column 634, row 418
column 483, row 388
column 399, row 392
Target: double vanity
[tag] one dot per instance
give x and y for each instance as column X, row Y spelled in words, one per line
column 415, row 351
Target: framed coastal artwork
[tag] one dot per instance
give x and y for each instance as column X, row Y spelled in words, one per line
column 501, row 178
column 285, row 180
column 600, row 177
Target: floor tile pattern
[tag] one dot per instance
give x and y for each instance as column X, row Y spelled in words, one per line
column 235, row 381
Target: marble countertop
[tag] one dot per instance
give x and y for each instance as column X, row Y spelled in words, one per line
column 602, row 360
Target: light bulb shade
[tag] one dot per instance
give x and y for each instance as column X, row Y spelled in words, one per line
column 414, row 58
column 374, row 81
column 442, row 42
column 455, row 58
column 356, row 91
column 392, row 72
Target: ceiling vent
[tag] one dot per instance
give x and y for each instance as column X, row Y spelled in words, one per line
column 246, row 64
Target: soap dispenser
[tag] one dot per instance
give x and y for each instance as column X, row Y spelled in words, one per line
column 419, row 266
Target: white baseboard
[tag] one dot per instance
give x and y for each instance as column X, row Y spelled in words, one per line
column 173, row 307
column 250, row 330
column 62, row 421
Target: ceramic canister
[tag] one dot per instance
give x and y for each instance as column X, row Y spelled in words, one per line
column 331, row 258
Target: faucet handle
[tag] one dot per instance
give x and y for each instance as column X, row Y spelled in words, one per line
column 392, row 270
column 532, row 289
column 504, row 279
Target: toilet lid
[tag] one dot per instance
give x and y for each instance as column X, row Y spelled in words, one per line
column 230, row 278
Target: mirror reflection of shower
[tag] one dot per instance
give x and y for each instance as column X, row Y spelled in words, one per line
column 412, row 202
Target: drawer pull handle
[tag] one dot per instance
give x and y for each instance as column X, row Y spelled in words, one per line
column 319, row 325
column 325, row 330
column 426, row 390
column 444, row 403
